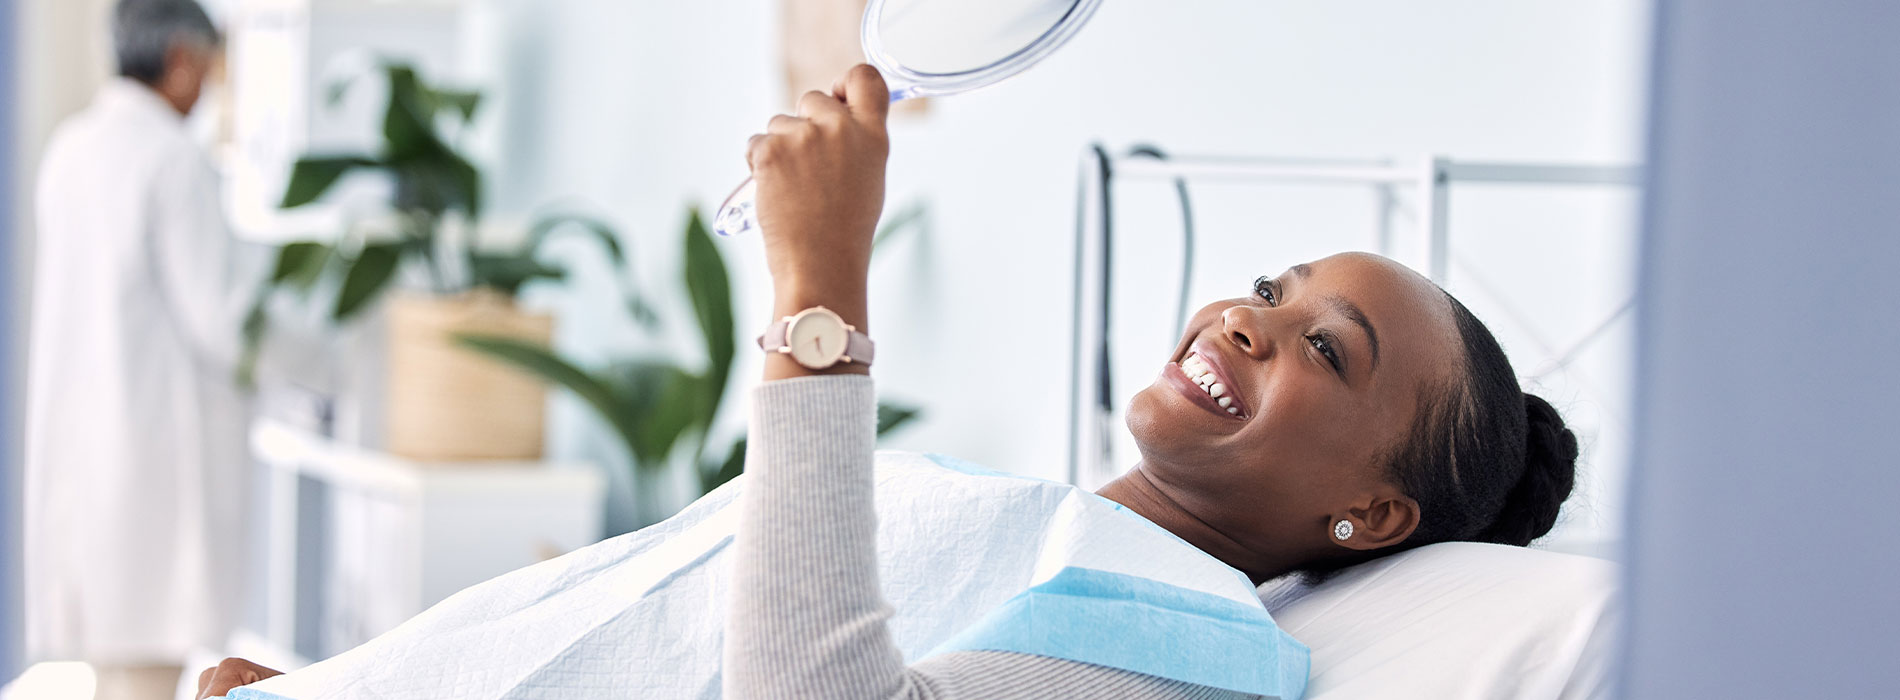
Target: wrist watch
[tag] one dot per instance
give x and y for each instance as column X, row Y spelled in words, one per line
column 818, row 338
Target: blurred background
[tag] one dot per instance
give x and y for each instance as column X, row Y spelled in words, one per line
column 488, row 326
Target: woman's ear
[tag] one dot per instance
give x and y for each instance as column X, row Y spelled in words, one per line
column 1385, row 519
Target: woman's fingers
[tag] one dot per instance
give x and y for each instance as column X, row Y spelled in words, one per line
column 780, row 127
column 752, row 147
column 784, row 124
column 866, row 94
column 818, row 105
column 230, row 674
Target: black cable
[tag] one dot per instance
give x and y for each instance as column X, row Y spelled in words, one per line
column 1102, row 174
column 1103, row 375
column 1187, row 235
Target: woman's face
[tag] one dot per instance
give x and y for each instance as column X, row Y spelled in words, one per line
column 1323, row 368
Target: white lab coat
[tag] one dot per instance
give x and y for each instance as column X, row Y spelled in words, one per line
column 135, row 443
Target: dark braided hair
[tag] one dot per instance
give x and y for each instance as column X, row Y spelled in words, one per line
column 1485, row 461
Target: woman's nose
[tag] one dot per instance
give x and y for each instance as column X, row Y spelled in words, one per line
column 1245, row 326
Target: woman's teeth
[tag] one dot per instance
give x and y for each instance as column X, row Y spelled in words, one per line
column 1196, row 369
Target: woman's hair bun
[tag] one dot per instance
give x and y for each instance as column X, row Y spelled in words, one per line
column 1550, row 472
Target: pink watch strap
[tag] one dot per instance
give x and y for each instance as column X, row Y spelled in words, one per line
column 859, row 347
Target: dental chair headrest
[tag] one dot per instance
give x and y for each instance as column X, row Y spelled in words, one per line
column 1456, row 620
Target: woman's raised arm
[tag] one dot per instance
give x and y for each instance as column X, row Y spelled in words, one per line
column 807, row 618
column 821, row 188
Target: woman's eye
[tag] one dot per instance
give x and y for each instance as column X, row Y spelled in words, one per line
column 1263, row 288
column 1325, row 348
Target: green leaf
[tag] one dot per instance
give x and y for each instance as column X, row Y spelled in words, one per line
column 339, row 87
column 409, row 122
column 642, row 313
column 508, row 273
column 545, row 365
column 678, row 410
column 621, row 412
column 711, row 291
column 334, row 92
column 465, row 182
column 430, row 175
column 312, row 176
column 893, row 416
column 727, row 471
column 463, row 102
column 660, row 403
column 546, row 227
column 915, row 216
column 299, row 264
column 366, row 277
column 422, row 185
column 436, row 180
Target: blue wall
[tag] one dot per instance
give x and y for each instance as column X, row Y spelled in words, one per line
column 10, row 602
column 1763, row 558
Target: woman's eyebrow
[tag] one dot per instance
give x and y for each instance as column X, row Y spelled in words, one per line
column 1351, row 311
column 1346, row 308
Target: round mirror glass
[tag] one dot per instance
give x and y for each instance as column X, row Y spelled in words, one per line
column 939, row 47
column 947, row 37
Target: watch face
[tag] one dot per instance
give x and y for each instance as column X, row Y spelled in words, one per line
column 816, row 338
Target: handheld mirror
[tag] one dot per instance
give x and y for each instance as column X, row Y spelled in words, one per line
column 928, row 48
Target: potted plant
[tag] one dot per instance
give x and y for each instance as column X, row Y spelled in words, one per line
column 441, row 402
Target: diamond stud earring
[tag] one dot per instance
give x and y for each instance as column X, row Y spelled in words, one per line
column 1342, row 530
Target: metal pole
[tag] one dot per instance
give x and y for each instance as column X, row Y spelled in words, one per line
column 1540, row 174
column 1388, row 202
column 1342, row 172
column 1434, row 218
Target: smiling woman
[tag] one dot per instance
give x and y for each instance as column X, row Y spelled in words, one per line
column 1345, row 410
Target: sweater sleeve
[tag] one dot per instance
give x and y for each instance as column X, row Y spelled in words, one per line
column 807, row 618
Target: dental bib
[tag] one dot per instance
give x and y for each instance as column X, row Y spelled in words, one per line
column 971, row 560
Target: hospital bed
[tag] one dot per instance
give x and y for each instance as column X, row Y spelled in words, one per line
column 1459, row 620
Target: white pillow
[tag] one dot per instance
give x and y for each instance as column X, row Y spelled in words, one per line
column 1456, row 620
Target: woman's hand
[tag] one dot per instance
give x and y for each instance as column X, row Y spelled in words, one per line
column 230, row 674
column 821, row 188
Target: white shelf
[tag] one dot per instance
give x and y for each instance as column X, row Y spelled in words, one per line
column 372, row 472
column 390, row 537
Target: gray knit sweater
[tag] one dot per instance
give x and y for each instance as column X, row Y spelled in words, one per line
column 808, row 619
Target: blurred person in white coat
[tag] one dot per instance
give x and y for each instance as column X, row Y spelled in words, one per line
column 135, row 445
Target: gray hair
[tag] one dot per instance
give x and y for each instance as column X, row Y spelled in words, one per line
column 143, row 32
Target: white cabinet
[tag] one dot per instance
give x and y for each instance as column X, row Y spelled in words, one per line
column 358, row 541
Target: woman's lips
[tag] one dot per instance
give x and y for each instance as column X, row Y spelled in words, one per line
column 1179, row 380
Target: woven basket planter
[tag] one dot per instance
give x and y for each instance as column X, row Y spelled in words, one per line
column 449, row 403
